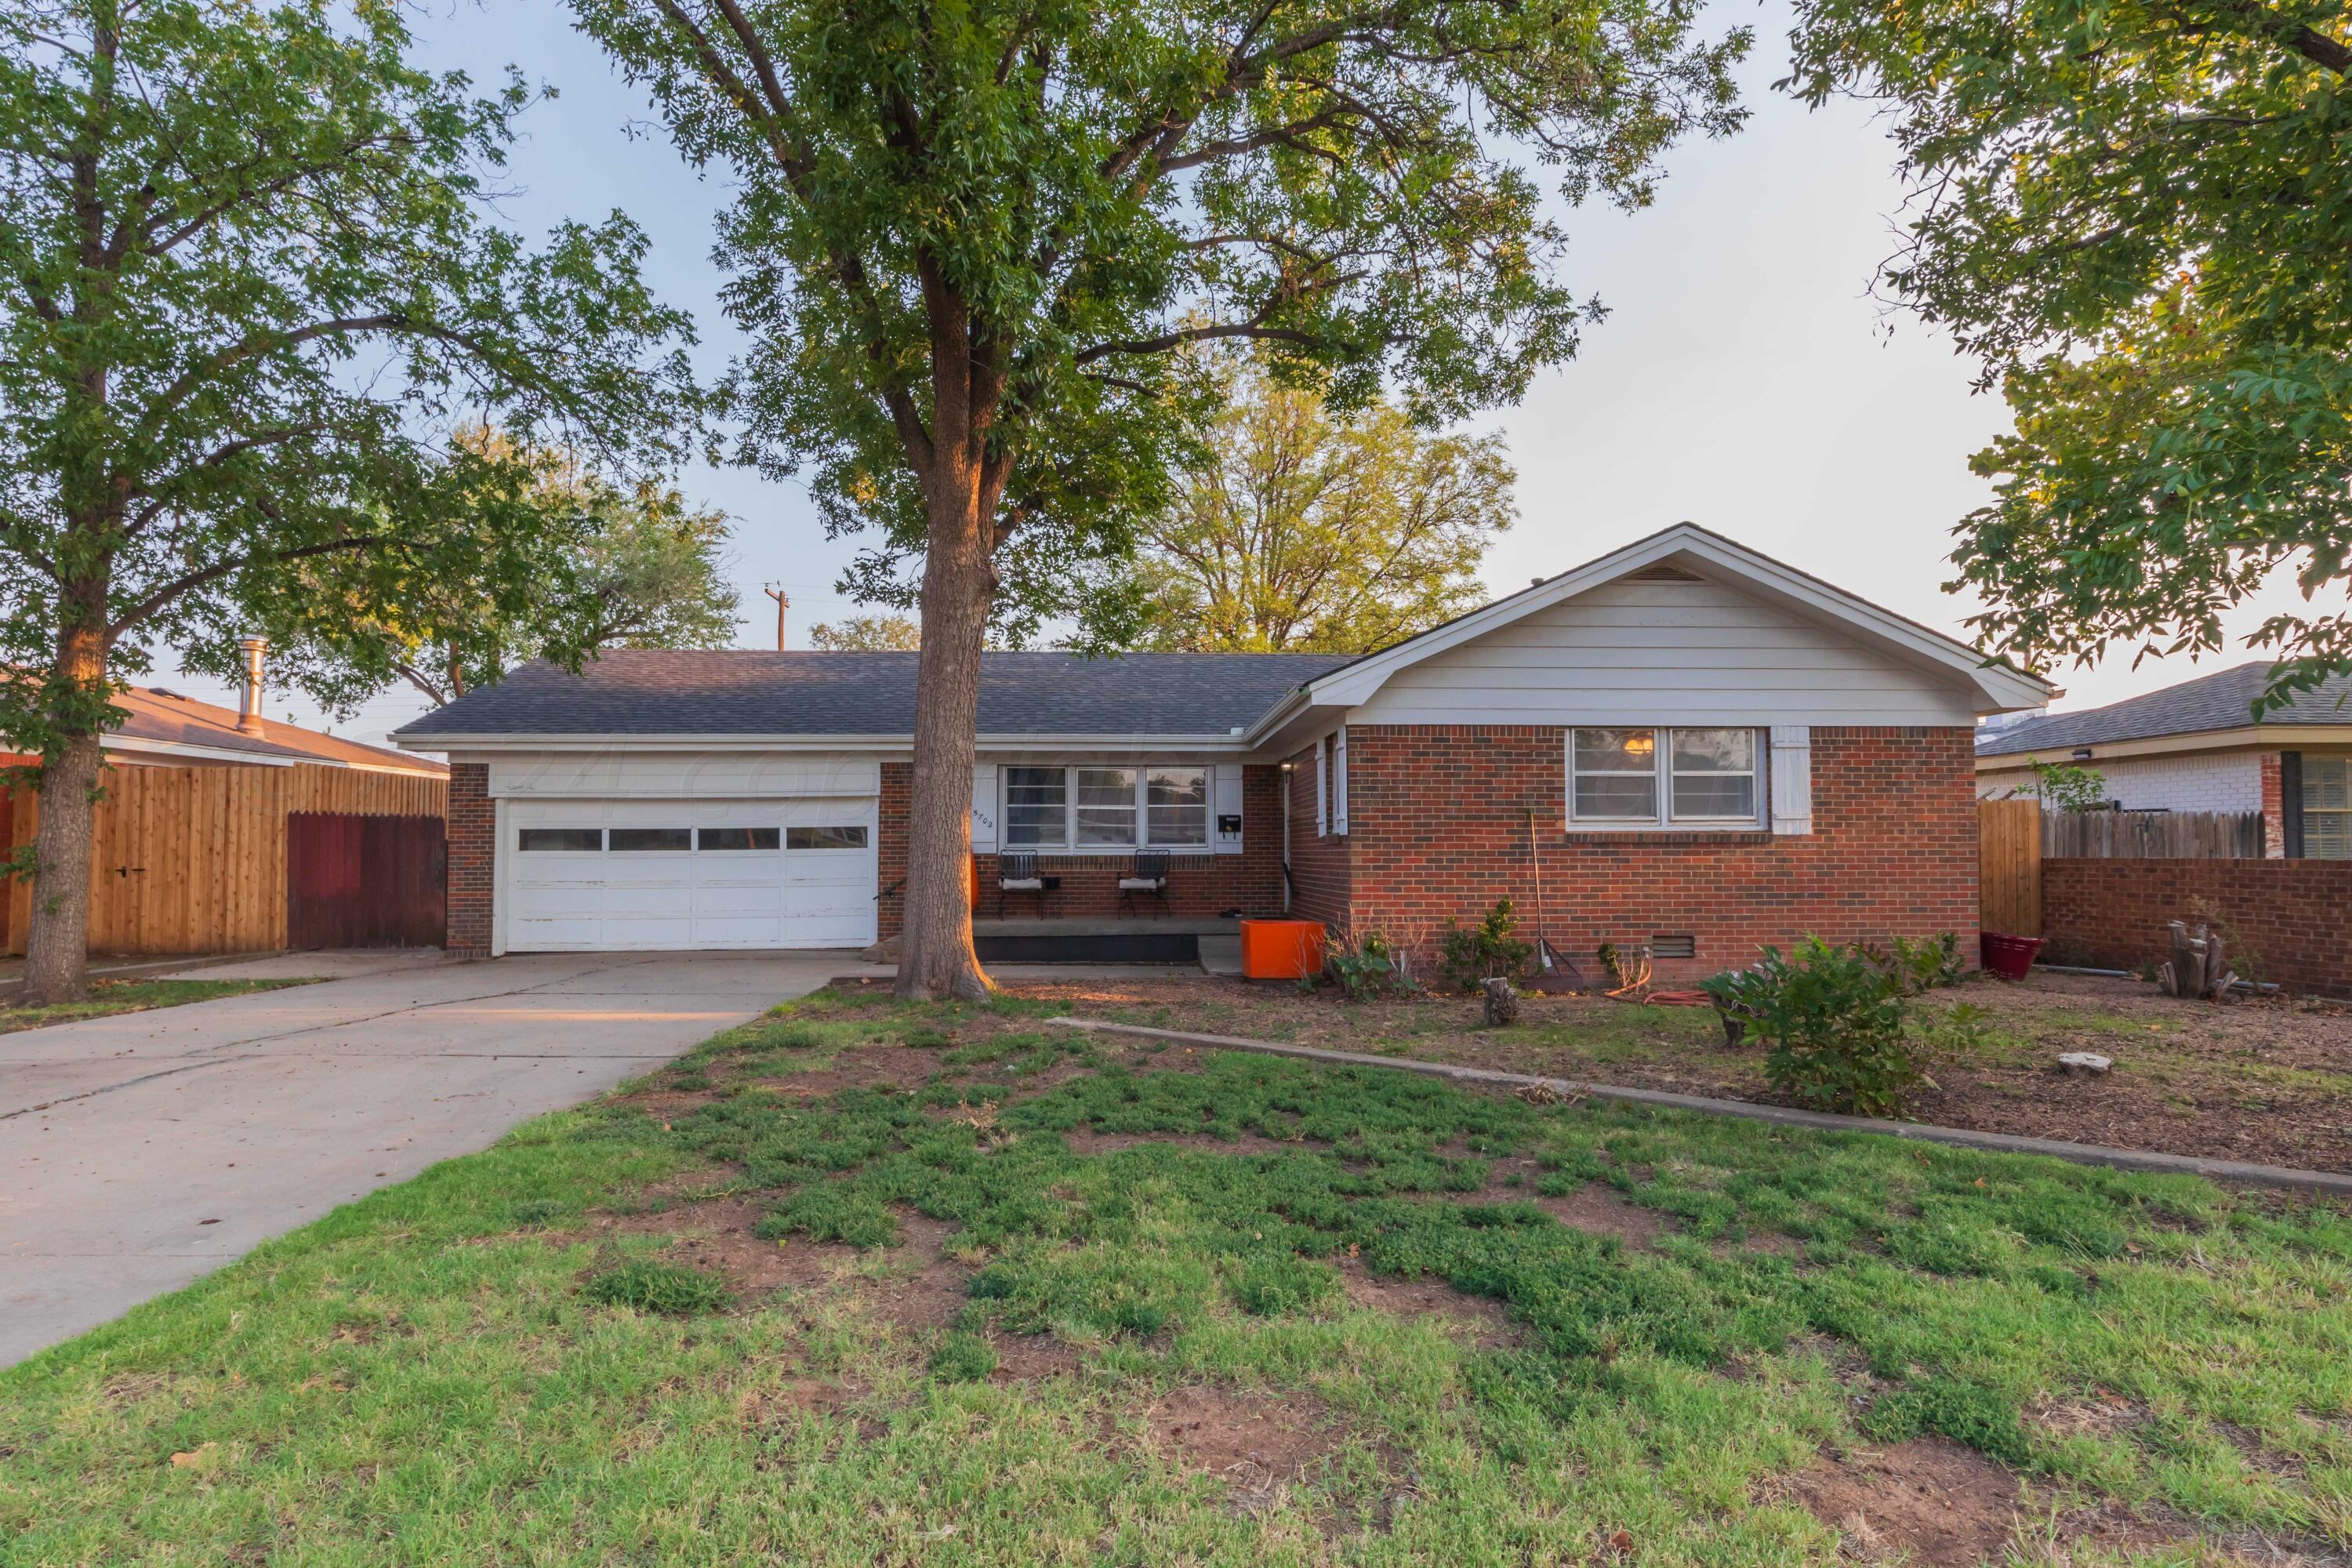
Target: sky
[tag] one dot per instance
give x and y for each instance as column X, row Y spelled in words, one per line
column 1745, row 379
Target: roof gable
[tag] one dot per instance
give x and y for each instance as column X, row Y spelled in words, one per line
column 1687, row 553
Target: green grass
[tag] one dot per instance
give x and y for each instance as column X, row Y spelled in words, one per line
column 111, row 996
column 466, row 1368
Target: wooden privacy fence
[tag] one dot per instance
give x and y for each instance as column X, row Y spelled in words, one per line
column 2009, row 866
column 2152, row 835
column 365, row 881
column 193, row 860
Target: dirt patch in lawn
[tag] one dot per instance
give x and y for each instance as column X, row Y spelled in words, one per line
column 1260, row 1443
column 1930, row 1503
column 1022, row 1357
column 1597, row 1210
column 2265, row 1081
column 1485, row 1322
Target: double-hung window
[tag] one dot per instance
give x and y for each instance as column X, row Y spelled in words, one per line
column 1664, row 778
column 1092, row 808
column 2326, row 808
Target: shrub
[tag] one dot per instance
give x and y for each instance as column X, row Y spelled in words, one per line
column 654, row 1287
column 1486, row 949
column 1365, row 964
column 1836, row 1020
column 1927, row 963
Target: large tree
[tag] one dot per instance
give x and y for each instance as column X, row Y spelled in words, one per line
column 616, row 565
column 1300, row 528
column 246, row 277
column 967, row 238
column 2138, row 215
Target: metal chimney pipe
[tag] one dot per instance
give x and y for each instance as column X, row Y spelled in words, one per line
column 248, row 696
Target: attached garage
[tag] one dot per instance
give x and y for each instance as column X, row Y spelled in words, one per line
column 731, row 854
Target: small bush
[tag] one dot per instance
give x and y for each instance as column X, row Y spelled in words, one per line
column 1365, row 964
column 1484, row 951
column 654, row 1287
column 1837, row 1023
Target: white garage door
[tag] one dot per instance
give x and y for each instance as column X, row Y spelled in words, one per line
column 603, row 875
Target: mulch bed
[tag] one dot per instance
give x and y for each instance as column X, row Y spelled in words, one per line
column 2266, row 1080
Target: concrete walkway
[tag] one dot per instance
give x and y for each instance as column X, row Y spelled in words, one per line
column 141, row 1152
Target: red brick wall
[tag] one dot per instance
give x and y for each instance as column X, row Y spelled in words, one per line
column 1439, row 830
column 473, row 858
column 2289, row 922
column 1199, row 885
column 2273, row 807
column 1319, row 866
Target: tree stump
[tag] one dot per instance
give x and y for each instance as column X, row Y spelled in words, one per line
column 2199, row 965
column 1502, row 1002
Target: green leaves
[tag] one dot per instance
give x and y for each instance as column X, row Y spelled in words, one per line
column 2139, row 220
column 982, row 234
column 250, row 288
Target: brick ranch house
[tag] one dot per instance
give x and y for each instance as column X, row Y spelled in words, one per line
column 1703, row 749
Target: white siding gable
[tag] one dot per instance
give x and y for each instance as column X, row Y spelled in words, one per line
column 1667, row 653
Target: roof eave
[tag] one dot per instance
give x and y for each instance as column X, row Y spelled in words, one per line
column 543, row 741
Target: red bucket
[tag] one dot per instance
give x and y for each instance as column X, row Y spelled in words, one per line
column 2007, row 956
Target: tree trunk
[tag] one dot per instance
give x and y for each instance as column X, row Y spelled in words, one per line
column 57, row 949
column 936, row 959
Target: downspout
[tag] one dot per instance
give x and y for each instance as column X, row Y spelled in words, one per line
column 1286, row 838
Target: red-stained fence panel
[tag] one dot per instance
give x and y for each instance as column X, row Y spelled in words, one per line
column 365, row 881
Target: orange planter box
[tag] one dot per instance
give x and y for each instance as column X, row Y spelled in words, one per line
column 1282, row 950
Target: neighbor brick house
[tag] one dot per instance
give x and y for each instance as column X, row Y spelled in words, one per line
column 2198, row 746
column 1699, row 748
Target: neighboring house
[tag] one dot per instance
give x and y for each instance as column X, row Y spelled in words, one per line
column 2197, row 746
column 166, row 729
column 1706, row 750
column 221, row 831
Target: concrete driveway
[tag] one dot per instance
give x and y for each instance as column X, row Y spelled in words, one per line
column 142, row 1152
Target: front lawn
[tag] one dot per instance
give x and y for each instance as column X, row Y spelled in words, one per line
column 2265, row 1081
column 860, row 1283
column 111, row 996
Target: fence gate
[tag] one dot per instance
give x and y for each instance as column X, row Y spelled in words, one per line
column 2009, row 866
column 364, row 881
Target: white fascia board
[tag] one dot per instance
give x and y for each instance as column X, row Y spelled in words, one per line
column 210, row 754
column 463, row 746
column 2000, row 689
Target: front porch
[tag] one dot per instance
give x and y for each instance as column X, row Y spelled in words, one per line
column 1211, row 943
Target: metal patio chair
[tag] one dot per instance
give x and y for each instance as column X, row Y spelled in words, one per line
column 1148, row 876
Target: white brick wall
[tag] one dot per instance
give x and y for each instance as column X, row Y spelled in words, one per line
column 2226, row 781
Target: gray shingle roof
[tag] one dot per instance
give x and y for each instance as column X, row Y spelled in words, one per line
column 2222, row 701
column 735, row 692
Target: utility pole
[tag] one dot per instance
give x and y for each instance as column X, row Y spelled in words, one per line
column 776, row 591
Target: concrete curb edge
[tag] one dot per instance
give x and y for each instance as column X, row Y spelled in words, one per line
column 2328, row 1181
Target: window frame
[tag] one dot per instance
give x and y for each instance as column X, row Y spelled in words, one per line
column 1664, row 819
column 1140, row 807
column 2307, row 811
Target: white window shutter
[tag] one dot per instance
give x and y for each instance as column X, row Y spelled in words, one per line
column 1225, row 800
column 984, row 809
column 1339, row 781
column 1322, row 791
column 1792, row 779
